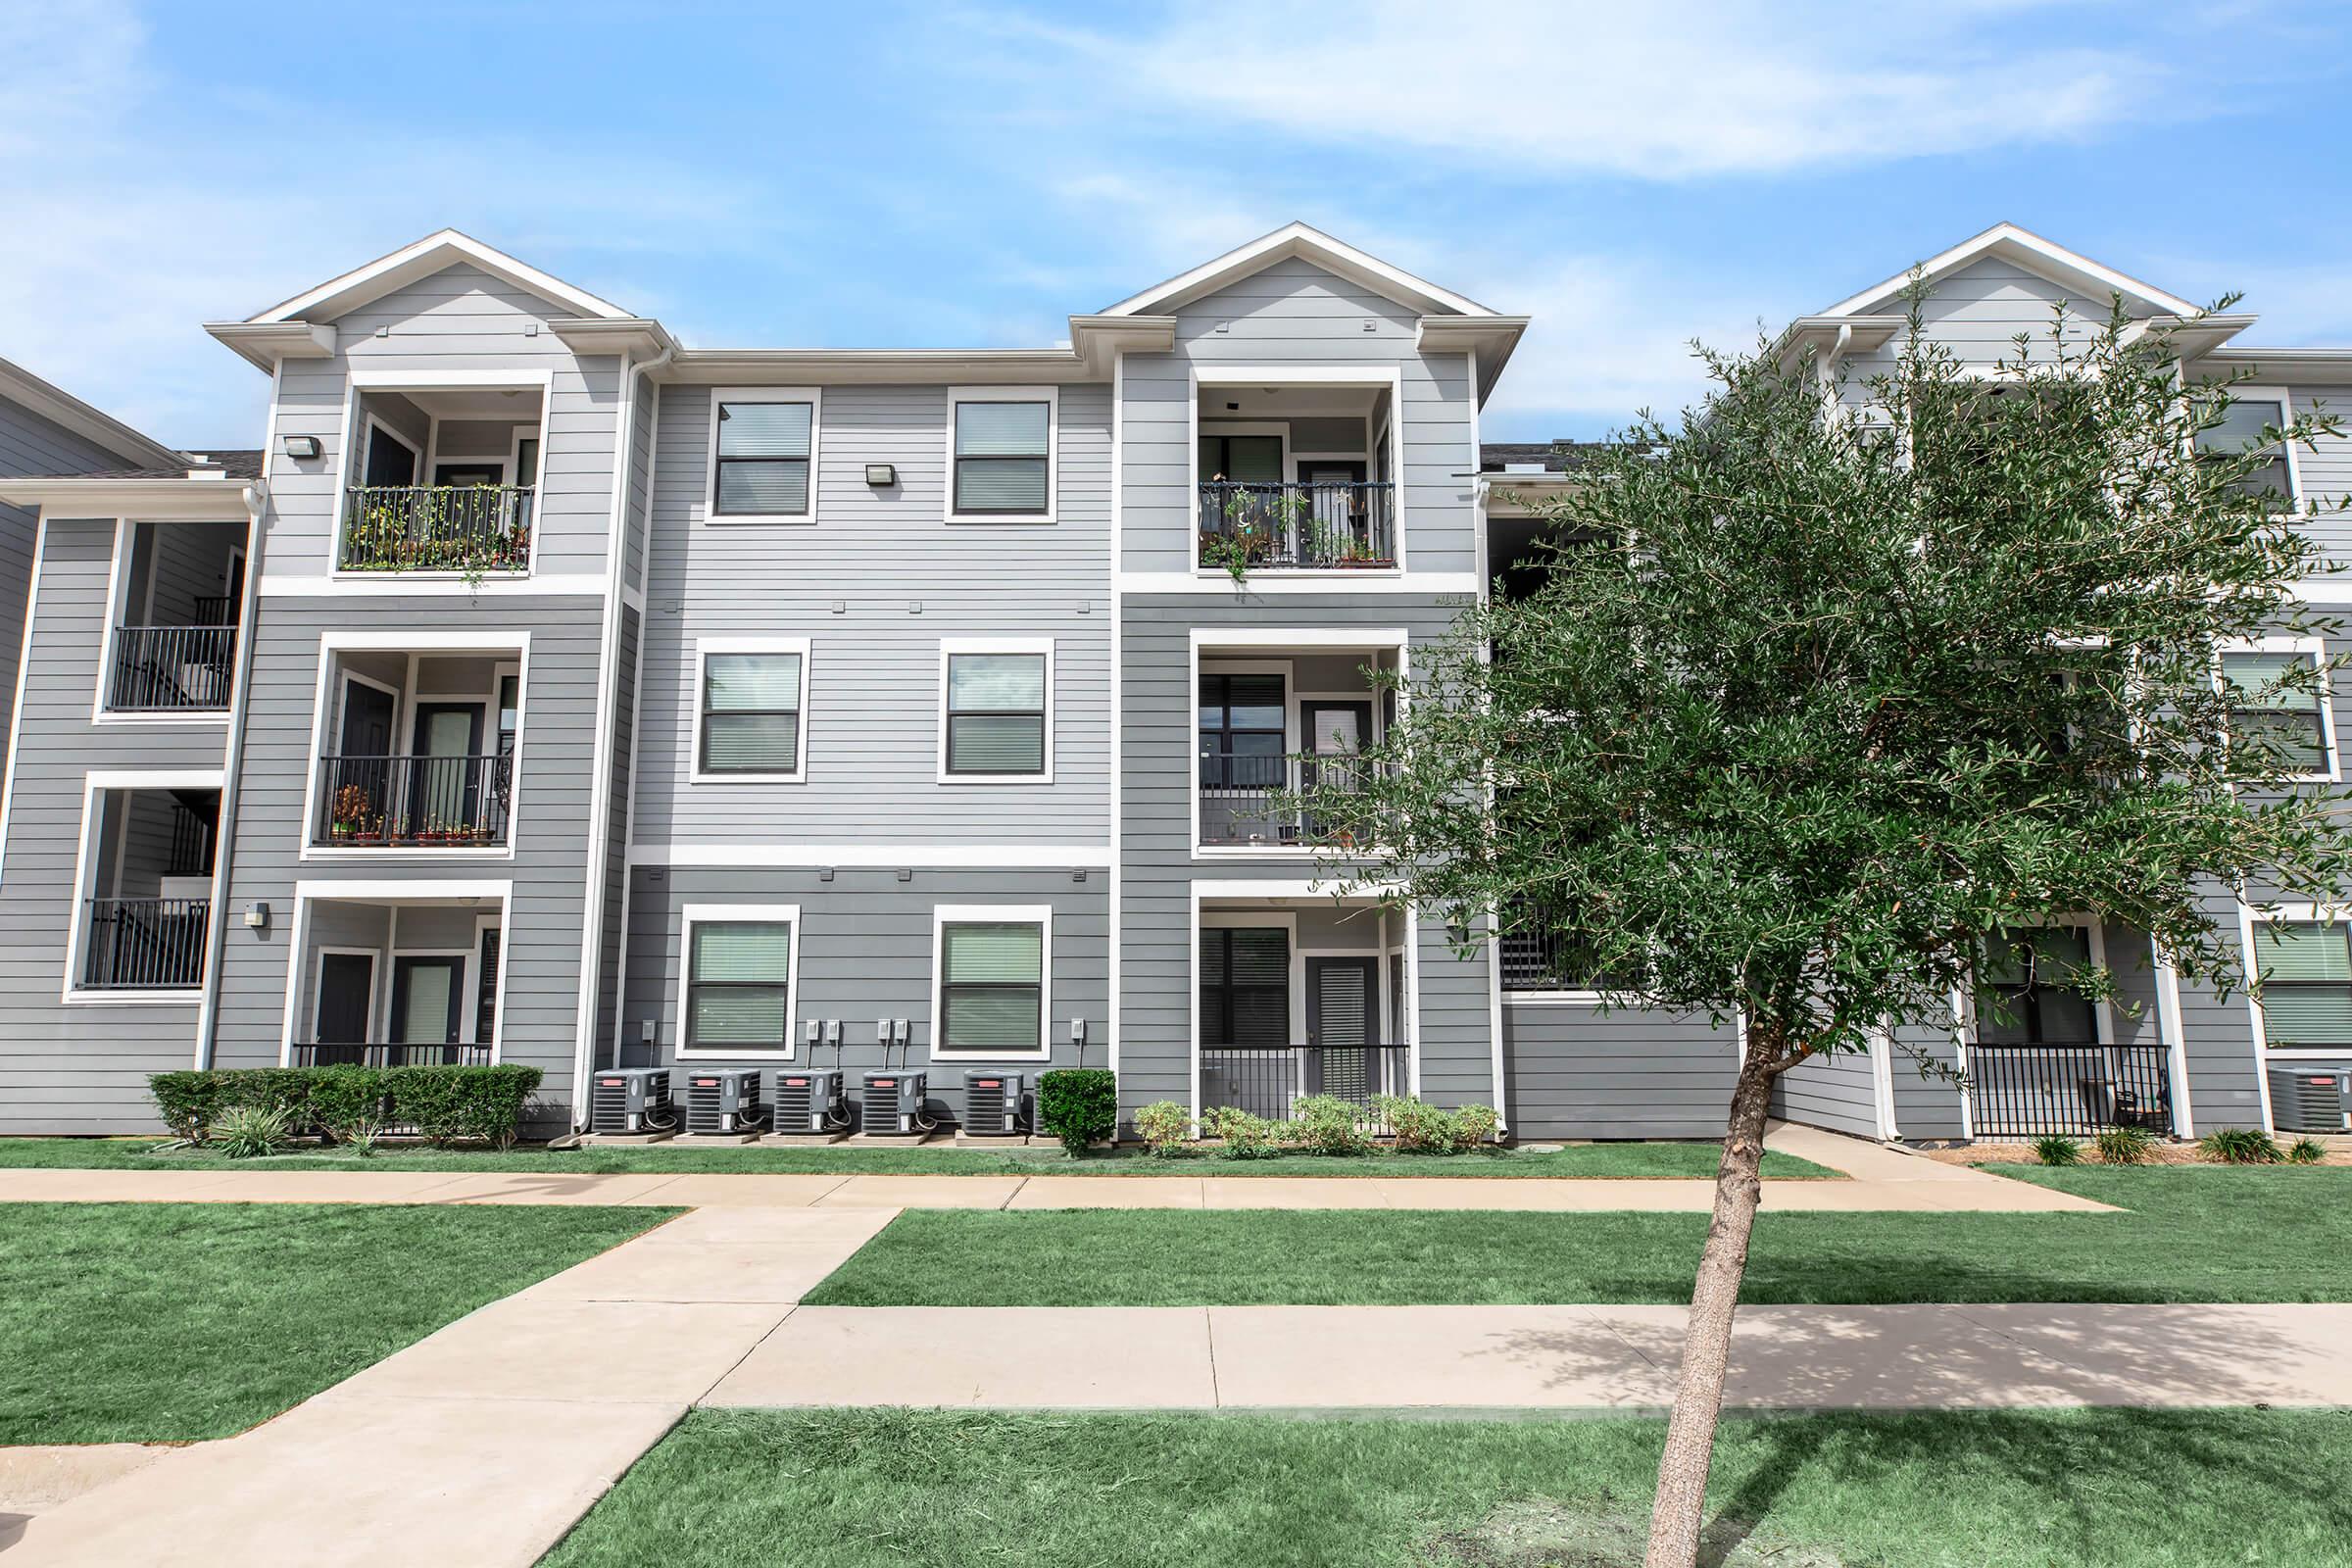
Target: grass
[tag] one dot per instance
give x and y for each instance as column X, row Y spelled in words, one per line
column 1622, row 1161
column 2189, row 1234
column 862, row 1488
column 164, row 1322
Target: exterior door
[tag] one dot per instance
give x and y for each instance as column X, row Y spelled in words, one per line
column 428, row 1001
column 346, row 981
column 1336, row 732
column 1343, row 1024
column 1342, row 522
column 388, row 462
column 447, row 794
column 364, row 763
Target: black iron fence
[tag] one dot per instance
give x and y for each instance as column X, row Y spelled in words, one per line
column 2075, row 1089
column 169, row 668
column 451, row 802
column 383, row 1054
column 145, row 944
column 1335, row 525
column 1240, row 796
column 485, row 527
column 1268, row 1080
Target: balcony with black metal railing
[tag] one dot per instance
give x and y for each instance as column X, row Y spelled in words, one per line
column 170, row 669
column 448, row 803
column 467, row 530
column 1252, row 801
column 1318, row 526
column 144, row 944
column 388, row 1054
column 2075, row 1089
column 1268, row 1080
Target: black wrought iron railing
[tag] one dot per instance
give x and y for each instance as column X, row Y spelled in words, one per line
column 2076, row 1090
column 162, row 669
column 216, row 609
column 443, row 802
column 381, row 1053
column 144, row 944
column 1334, row 525
column 483, row 527
column 1269, row 1080
column 1242, row 799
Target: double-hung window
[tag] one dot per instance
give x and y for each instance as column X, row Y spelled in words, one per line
column 737, row 970
column 2028, row 977
column 2306, row 973
column 764, row 454
column 2242, row 427
column 1246, row 986
column 995, row 712
column 992, row 963
column 2292, row 724
column 747, row 718
column 1001, row 454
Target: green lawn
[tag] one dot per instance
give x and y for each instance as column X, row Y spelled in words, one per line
column 2190, row 1234
column 1631, row 1160
column 2090, row 1488
column 161, row 1322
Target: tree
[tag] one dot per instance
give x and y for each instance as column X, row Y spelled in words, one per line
column 1835, row 690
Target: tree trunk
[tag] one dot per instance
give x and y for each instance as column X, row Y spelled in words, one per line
column 1680, row 1510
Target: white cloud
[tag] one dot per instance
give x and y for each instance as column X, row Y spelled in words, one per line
column 1650, row 92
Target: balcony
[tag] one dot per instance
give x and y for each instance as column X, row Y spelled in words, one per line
column 407, row 982
column 172, row 634
column 2076, row 1090
column 414, row 802
column 389, row 1053
column 1269, row 1080
column 144, row 944
column 1246, row 799
column 170, row 669
column 1322, row 525
column 456, row 528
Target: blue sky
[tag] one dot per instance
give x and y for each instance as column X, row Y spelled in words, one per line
column 882, row 173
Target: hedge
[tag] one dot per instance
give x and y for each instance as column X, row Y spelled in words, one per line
column 1080, row 1106
column 445, row 1105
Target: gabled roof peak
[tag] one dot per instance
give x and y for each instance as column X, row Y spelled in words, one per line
column 2037, row 255
column 1299, row 240
column 428, row 256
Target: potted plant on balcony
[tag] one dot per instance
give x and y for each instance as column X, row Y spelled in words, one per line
column 348, row 817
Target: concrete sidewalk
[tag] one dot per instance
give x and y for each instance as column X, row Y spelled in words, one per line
column 1881, row 1179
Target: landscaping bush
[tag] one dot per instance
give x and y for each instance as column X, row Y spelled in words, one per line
column 1165, row 1127
column 1325, row 1124
column 347, row 1103
column 455, row 1105
column 1079, row 1106
column 249, row 1132
column 1424, row 1129
column 187, row 1102
column 2126, row 1146
column 2239, row 1146
column 2306, row 1151
column 445, row 1104
column 1246, row 1135
column 2055, row 1149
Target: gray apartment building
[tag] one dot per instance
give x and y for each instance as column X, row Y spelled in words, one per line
column 543, row 690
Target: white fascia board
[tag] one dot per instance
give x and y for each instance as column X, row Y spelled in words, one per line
column 267, row 343
column 1308, row 244
column 62, row 408
column 220, row 500
column 422, row 259
column 2042, row 257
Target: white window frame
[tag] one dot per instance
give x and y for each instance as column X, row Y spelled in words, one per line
column 682, row 1020
column 93, row 785
column 1048, row 394
column 952, row 646
column 419, row 891
column 814, row 397
column 2297, row 506
column 118, row 611
column 2315, row 648
column 2248, row 917
column 512, row 652
column 704, row 648
column 349, row 464
column 943, row 916
column 2095, row 943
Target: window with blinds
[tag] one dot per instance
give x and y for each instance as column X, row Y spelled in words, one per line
column 991, row 993
column 1246, row 986
column 996, row 714
column 2287, row 723
column 2306, row 972
column 2242, row 427
column 739, row 986
column 750, row 713
column 1242, row 731
column 2027, row 978
column 1002, row 459
column 763, row 458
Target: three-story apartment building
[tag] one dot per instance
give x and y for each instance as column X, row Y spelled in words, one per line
column 550, row 692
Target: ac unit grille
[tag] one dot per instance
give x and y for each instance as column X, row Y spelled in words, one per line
column 723, row 1102
column 2309, row 1099
column 802, row 1099
column 991, row 1104
column 629, row 1099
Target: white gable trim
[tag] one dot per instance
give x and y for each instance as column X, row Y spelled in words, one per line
column 2038, row 255
column 428, row 256
column 1307, row 244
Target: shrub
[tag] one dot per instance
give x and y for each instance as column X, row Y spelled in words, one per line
column 2126, row 1146
column 2055, row 1149
column 1326, row 1124
column 350, row 1103
column 1079, row 1106
column 1247, row 1136
column 347, row 1103
column 1424, row 1129
column 1165, row 1127
column 2306, row 1151
column 453, row 1105
column 2239, row 1146
column 249, row 1132
column 187, row 1102
column 286, row 1089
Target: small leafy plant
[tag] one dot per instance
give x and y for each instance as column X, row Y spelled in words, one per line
column 1079, row 1106
column 1329, row 1125
column 250, row 1132
column 2306, row 1151
column 1166, row 1129
column 2056, row 1149
column 2239, row 1146
column 2126, row 1146
column 1424, row 1129
column 1246, row 1135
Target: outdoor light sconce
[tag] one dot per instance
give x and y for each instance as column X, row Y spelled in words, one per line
column 300, row 446
column 256, row 916
column 878, row 474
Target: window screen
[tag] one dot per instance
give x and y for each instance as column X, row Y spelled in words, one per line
column 750, row 713
column 2306, row 973
column 764, row 459
column 739, row 989
column 996, row 713
column 991, row 986
column 1000, row 453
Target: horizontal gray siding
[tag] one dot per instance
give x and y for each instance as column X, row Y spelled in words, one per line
column 851, row 583
column 1832, row 1092
column 1576, row 1071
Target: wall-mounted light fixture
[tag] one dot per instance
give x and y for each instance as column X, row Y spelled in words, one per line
column 299, row 446
column 878, row 474
column 257, row 915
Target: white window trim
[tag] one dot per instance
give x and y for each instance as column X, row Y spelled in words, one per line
column 2248, row 916
column 951, row 646
column 2298, row 505
column 1295, row 974
column 2315, row 648
column 350, row 450
column 704, row 648
column 2102, row 1013
column 511, row 650
column 681, row 1025
column 423, row 891
column 1389, row 438
column 73, row 992
column 1051, row 396
column 814, row 397
column 1039, row 914
column 1217, row 642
